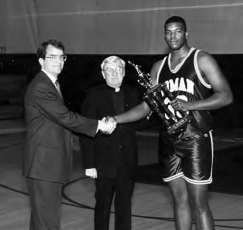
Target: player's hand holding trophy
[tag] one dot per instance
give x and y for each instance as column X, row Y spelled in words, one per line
column 158, row 98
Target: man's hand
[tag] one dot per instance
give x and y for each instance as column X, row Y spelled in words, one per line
column 180, row 105
column 110, row 119
column 106, row 125
column 91, row 173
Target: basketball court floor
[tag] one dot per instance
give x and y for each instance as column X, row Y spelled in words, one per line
column 152, row 206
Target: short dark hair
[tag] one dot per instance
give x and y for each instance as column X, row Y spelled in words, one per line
column 176, row 19
column 41, row 52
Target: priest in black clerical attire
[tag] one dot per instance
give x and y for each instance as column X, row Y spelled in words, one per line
column 111, row 160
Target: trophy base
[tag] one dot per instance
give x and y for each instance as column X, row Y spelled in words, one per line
column 178, row 126
column 155, row 98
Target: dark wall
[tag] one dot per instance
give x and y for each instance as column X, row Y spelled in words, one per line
column 83, row 71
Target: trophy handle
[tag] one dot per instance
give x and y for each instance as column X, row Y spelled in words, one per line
column 154, row 107
column 171, row 97
column 154, row 98
column 156, row 93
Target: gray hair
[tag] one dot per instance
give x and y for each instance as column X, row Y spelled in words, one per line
column 112, row 59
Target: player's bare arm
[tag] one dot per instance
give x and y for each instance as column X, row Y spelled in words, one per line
column 142, row 110
column 154, row 72
column 212, row 74
column 136, row 113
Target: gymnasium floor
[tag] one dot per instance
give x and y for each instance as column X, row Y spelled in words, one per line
column 152, row 207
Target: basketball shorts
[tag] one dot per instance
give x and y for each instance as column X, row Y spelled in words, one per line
column 190, row 158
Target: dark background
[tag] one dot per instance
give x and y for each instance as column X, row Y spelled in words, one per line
column 83, row 71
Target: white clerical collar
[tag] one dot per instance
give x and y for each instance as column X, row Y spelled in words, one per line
column 117, row 90
column 53, row 79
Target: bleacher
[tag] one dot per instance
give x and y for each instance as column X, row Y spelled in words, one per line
column 14, row 77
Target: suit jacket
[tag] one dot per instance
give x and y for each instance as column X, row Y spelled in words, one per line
column 49, row 142
column 109, row 153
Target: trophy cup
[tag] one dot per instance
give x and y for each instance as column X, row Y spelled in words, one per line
column 155, row 97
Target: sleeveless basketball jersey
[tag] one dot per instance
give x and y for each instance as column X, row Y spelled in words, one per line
column 186, row 82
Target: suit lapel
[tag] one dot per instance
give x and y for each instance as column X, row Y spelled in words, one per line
column 47, row 80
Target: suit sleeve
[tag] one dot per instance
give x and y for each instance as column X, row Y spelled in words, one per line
column 87, row 144
column 46, row 100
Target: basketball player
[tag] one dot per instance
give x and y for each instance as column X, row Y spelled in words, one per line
column 197, row 83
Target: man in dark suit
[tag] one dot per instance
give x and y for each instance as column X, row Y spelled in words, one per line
column 112, row 159
column 49, row 144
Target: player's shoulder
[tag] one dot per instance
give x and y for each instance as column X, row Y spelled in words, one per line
column 157, row 64
column 203, row 55
column 205, row 59
column 156, row 67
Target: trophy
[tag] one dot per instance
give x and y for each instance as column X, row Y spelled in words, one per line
column 155, row 97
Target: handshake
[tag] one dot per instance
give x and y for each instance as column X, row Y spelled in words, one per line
column 107, row 125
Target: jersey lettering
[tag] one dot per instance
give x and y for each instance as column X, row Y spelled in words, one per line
column 185, row 83
column 178, row 85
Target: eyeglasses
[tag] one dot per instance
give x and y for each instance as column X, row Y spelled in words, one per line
column 111, row 71
column 55, row 58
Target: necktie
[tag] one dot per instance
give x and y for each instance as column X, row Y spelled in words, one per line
column 58, row 87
